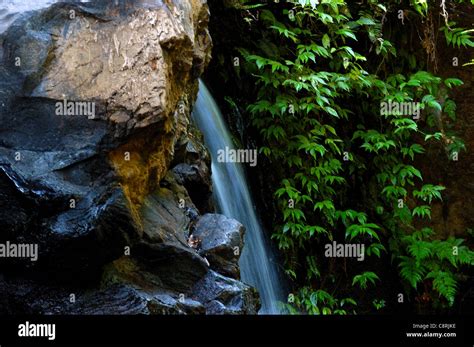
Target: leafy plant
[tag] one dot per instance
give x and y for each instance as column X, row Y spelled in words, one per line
column 435, row 261
column 458, row 36
column 347, row 170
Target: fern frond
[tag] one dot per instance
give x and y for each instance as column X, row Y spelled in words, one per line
column 445, row 284
column 411, row 270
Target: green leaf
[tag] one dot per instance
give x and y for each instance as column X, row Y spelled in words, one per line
column 346, row 33
column 362, row 229
column 453, row 82
column 364, row 279
column 420, row 250
column 445, row 284
column 366, row 21
column 326, row 41
column 422, row 211
column 411, row 270
column 331, row 111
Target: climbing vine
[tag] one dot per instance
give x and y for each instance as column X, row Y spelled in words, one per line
column 346, row 111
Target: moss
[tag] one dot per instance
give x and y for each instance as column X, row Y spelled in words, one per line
column 141, row 163
column 128, row 271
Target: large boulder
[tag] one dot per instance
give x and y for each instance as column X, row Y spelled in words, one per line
column 92, row 101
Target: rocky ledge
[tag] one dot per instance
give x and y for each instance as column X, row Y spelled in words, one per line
column 101, row 168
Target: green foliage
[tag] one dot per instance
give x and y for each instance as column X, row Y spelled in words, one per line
column 378, row 304
column 436, row 260
column 364, row 279
column 321, row 302
column 458, row 36
column 469, row 63
column 349, row 169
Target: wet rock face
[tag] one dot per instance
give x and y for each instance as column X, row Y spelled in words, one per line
column 221, row 241
column 223, row 295
column 99, row 164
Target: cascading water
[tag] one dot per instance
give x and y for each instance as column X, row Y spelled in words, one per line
column 234, row 200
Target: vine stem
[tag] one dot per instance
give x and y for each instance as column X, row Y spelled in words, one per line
column 444, row 13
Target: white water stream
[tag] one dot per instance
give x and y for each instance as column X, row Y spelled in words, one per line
column 234, row 199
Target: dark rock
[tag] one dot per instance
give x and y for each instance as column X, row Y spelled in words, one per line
column 191, row 168
column 195, row 178
column 92, row 236
column 26, row 297
column 223, row 295
column 133, row 273
column 221, row 242
column 164, row 247
column 178, row 267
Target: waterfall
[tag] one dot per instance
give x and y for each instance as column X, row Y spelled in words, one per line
column 234, row 200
